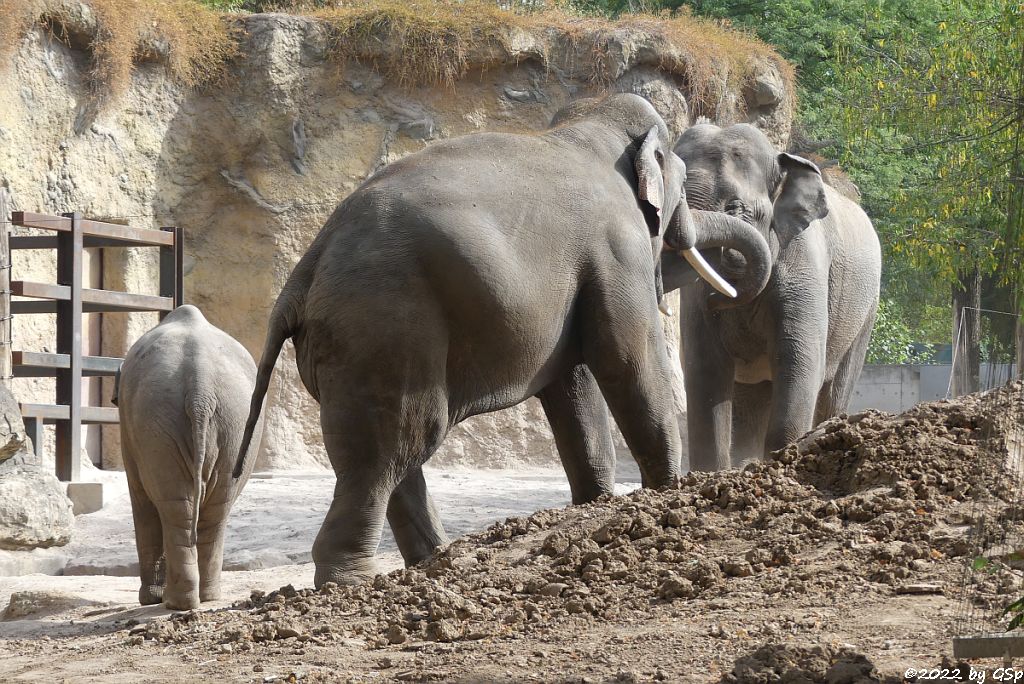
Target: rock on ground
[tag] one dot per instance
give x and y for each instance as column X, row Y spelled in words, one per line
column 34, row 604
column 34, row 510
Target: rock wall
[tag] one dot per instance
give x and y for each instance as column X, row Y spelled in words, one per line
column 252, row 167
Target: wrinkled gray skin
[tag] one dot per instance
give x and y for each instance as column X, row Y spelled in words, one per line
column 183, row 393
column 472, row 275
column 762, row 374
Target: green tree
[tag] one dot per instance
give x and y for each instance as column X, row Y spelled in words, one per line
column 891, row 339
column 950, row 97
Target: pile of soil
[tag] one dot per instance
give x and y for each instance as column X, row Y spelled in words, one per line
column 871, row 502
column 839, row 559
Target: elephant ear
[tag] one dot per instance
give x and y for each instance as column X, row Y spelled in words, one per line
column 650, row 175
column 800, row 199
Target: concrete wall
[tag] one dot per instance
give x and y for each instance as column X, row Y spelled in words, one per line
column 897, row 388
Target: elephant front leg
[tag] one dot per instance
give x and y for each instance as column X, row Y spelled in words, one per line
column 708, row 376
column 751, row 407
column 579, row 422
column 624, row 347
column 797, row 378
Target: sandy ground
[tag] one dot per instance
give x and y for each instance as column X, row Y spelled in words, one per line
column 269, row 539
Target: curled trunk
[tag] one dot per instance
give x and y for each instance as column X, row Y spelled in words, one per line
column 712, row 230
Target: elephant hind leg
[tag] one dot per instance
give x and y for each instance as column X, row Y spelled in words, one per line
column 835, row 396
column 373, row 443
column 579, row 421
column 213, row 522
column 149, row 537
column 182, row 590
column 414, row 519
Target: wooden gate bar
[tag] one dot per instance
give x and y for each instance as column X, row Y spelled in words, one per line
column 69, row 341
column 172, row 279
column 102, row 300
column 69, row 300
column 143, row 237
column 41, row 364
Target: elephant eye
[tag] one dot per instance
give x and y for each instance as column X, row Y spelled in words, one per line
column 736, row 208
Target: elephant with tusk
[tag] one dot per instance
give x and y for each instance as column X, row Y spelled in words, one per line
column 510, row 266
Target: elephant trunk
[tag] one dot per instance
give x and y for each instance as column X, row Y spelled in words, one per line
column 714, row 229
column 681, row 236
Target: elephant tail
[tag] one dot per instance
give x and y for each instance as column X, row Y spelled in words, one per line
column 284, row 324
column 200, row 417
column 281, row 329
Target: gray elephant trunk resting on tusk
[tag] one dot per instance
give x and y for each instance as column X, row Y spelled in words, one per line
column 715, row 231
column 512, row 266
column 182, row 393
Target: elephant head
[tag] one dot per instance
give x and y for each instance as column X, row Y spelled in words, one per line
column 660, row 184
column 737, row 171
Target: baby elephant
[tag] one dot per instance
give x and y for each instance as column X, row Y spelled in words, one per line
column 183, row 391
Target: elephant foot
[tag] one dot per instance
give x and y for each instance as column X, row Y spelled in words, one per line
column 188, row 600
column 151, row 595
column 353, row 572
column 209, row 593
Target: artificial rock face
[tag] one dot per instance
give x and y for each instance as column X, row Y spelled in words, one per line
column 253, row 167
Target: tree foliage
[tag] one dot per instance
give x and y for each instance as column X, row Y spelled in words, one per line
column 949, row 97
column 891, row 339
column 921, row 104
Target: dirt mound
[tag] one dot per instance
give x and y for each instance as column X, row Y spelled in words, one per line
column 787, row 664
column 871, row 504
column 936, row 447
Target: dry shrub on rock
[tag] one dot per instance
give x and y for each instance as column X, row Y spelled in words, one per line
column 413, row 43
column 193, row 41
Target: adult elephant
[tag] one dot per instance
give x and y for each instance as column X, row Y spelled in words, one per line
column 762, row 374
column 472, row 275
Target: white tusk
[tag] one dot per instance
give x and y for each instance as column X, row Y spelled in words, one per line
column 707, row 273
column 664, row 308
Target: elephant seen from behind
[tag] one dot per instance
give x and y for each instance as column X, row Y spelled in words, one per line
column 472, row 275
column 183, row 393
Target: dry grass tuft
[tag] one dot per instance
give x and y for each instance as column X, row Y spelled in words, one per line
column 411, row 42
column 442, row 40
column 436, row 37
column 194, row 42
